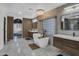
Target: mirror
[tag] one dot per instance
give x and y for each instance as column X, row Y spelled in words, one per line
column 70, row 22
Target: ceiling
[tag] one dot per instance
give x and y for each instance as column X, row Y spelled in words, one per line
column 28, row 10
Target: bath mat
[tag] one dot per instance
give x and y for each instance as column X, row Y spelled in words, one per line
column 33, row 46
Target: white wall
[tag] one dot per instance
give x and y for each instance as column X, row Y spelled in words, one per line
column 28, row 10
column 2, row 14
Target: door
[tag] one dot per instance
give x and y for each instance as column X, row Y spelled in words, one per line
column 27, row 25
column 9, row 28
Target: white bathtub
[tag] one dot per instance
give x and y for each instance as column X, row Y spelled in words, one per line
column 41, row 42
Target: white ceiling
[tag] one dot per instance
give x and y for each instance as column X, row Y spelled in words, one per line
column 28, row 10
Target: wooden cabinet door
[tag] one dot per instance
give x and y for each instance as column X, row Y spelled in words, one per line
column 35, row 25
column 9, row 28
column 57, row 42
column 27, row 25
column 71, row 43
column 69, row 46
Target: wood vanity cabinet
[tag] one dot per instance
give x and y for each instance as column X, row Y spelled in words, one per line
column 57, row 42
column 69, row 46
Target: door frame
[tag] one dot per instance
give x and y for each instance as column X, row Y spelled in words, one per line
column 4, row 30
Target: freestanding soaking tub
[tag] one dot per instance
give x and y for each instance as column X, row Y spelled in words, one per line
column 42, row 41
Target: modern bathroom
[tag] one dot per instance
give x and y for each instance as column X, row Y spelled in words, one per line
column 41, row 29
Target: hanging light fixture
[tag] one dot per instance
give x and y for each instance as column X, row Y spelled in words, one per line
column 40, row 11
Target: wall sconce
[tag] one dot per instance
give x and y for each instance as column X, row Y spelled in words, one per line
column 40, row 11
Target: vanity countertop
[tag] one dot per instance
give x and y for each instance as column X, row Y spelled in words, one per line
column 67, row 37
column 33, row 30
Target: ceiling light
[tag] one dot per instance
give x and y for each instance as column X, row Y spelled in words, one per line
column 40, row 11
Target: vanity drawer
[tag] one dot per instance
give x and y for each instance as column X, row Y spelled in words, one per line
column 71, row 43
column 67, row 45
column 57, row 42
column 70, row 50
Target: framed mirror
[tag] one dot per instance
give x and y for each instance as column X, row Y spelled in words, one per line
column 70, row 22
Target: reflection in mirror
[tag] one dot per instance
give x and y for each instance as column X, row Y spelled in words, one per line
column 70, row 22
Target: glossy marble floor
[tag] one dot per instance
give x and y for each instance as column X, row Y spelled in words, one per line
column 20, row 47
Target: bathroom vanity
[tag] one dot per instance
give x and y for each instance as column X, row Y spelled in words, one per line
column 66, row 43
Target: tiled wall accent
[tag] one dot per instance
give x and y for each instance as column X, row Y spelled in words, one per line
column 49, row 26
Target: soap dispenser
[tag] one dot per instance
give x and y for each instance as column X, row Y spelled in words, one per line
column 73, row 34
